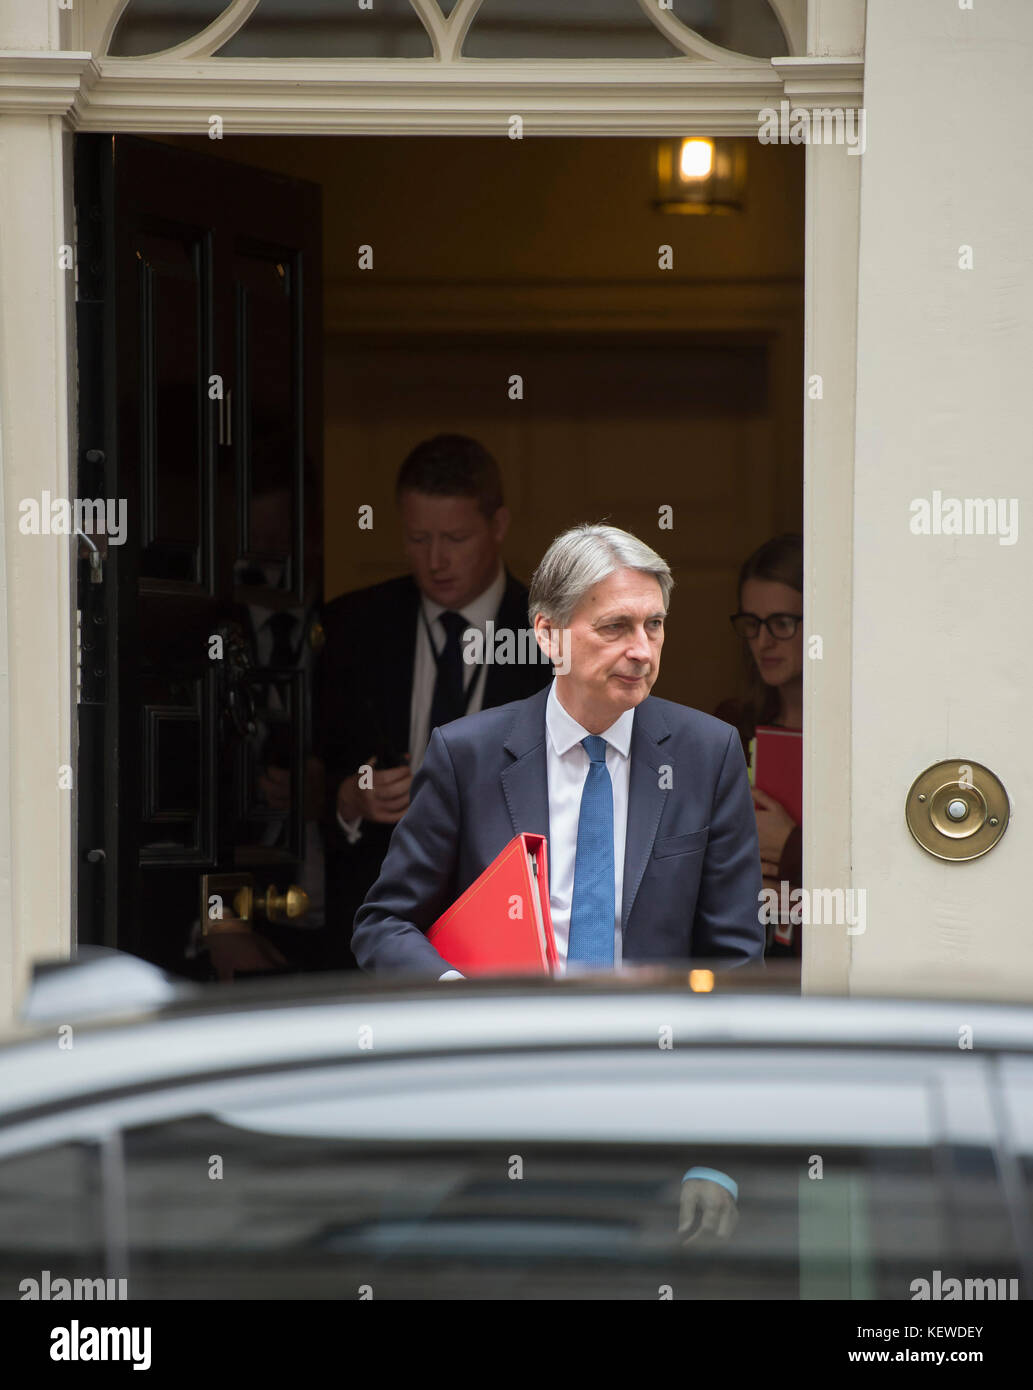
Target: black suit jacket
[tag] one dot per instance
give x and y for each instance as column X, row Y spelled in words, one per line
column 363, row 705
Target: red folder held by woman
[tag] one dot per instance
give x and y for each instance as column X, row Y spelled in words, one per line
column 502, row 925
column 778, row 767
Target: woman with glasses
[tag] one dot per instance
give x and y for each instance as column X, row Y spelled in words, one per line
column 769, row 622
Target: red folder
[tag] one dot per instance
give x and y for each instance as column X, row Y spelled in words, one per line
column 778, row 767
column 501, row 925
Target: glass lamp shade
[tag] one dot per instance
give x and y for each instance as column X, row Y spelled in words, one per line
column 697, row 174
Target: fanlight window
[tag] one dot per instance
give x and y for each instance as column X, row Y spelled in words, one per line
column 582, row 29
column 148, row 26
column 330, row 28
column 453, row 29
column 743, row 26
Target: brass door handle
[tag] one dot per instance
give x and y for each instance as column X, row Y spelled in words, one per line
column 273, row 905
column 957, row 809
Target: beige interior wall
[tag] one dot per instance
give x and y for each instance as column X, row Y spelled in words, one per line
column 642, row 387
column 609, row 432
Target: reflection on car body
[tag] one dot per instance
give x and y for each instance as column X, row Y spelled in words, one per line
column 517, row 1140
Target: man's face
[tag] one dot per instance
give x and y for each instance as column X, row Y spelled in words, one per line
column 616, row 633
column 453, row 549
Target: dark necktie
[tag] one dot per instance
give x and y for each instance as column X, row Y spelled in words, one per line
column 281, row 625
column 449, row 697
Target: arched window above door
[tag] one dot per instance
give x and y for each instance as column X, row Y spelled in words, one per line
column 151, row 26
column 741, row 26
column 330, row 29
column 583, row 29
column 744, row 31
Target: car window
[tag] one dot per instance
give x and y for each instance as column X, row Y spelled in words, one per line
column 1015, row 1076
column 51, row 1218
column 559, row 1176
column 537, row 1175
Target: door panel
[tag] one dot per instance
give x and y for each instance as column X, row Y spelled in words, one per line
column 266, row 416
column 178, row 788
column 209, row 327
column 175, row 454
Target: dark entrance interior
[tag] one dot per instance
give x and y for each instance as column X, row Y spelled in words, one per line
column 247, row 384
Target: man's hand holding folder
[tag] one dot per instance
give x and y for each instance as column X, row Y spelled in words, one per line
column 502, row 925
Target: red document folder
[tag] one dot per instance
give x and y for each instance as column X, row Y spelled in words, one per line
column 778, row 767
column 501, row 925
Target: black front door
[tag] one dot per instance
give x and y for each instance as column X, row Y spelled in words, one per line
column 200, row 370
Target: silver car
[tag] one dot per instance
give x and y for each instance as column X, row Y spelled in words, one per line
column 324, row 1138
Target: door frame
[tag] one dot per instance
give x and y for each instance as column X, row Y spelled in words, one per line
column 55, row 80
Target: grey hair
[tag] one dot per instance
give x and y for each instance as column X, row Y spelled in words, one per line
column 582, row 557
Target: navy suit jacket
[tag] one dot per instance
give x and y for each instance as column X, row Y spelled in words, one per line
column 692, row 877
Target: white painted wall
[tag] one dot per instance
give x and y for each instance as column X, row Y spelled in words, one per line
column 942, row 661
column 830, row 307
column 37, row 629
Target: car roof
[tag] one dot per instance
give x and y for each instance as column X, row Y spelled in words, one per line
column 299, row 1021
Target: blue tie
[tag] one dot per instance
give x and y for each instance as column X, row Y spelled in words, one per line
column 592, row 906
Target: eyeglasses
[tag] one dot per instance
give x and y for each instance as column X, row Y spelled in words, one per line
column 782, row 626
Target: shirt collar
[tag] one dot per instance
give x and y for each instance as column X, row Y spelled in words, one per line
column 477, row 611
column 565, row 731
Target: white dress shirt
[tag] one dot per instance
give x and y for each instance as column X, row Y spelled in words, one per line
column 477, row 614
column 568, row 763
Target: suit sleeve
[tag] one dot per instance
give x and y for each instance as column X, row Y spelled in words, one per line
column 417, row 877
column 727, row 922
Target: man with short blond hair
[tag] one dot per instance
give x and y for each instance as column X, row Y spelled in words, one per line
column 400, row 660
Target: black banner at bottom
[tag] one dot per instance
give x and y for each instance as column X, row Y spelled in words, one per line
column 192, row 1339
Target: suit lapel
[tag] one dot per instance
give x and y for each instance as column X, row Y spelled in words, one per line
column 525, row 782
column 646, row 797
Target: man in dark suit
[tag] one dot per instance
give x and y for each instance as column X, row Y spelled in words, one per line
column 646, row 804
column 407, row 655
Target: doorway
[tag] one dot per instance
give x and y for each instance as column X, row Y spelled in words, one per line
column 512, row 293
